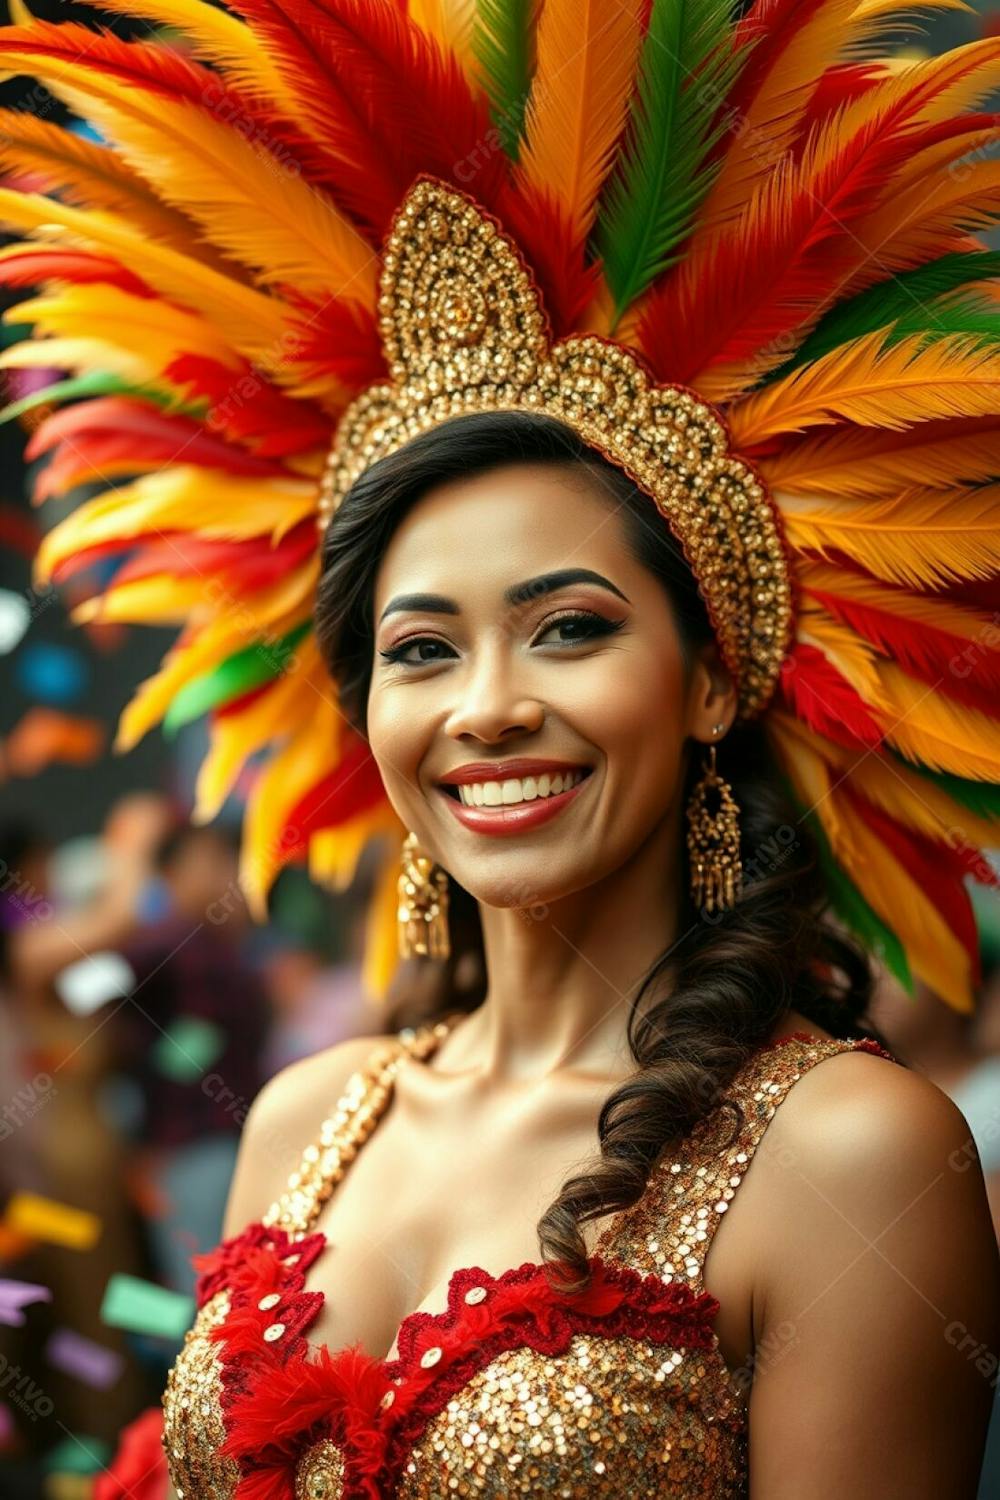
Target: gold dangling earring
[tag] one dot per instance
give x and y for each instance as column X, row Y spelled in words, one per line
column 714, row 840
column 422, row 914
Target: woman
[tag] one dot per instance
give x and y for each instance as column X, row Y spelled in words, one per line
column 672, row 708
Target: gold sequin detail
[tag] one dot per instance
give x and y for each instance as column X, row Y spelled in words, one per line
column 320, row 1472
column 463, row 331
column 192, row 1413
column 357, row 1113
column 610, row 1417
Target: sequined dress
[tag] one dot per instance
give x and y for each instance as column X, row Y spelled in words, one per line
column 508, row 1391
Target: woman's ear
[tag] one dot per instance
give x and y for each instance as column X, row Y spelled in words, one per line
column 713, row 697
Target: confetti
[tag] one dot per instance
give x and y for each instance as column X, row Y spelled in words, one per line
column 56, row 1223
column 187, row 1048
column 143, row 1307
column 17, row 1294
column 75, row 1355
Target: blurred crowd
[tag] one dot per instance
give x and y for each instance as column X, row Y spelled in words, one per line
column 141, row 1010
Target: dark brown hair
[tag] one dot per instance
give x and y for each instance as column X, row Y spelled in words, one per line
column 716, row 995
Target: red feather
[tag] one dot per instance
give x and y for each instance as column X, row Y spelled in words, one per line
column 938, row 868
column 925, row 650
column 245, row 407
column 394, row 93
column 813, row 690
column 111, row 430
column 156, row 68
column 34, row 264
column 338, row 340
column 556, row 258
column 243, row 565
column 838, row 86
column 768, row 27
column 354, row 786
column 772, row 271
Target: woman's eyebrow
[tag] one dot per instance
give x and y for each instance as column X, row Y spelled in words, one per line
column 517, row 593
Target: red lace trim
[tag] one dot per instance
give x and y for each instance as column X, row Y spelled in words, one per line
column 277, row 1401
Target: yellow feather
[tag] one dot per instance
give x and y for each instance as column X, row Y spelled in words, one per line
column 909, row 225
column 253, row 322
column 159, row 600
column 449, row 22
column 79, row 356
column 932, row 949
column 218, row 37
column 236, row 736
column 245, row 198
column 179, row 498
column 928, row 727
column 861, row 463
column 292, row 770
column 768, row 128
column 334, row 852
column 381, row 958
column 934, row 952
column 905, row 383
column 921, row 541
column 90, row 175
column 889, row 783
column 163, row 599
column 197, row 652
column 96, row 310
column 853, row 657
column 942, row 614
column 587, row 52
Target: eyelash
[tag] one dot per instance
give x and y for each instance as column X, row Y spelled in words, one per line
column 597, row 625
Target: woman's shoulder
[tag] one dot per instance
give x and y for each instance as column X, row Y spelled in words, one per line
column 285, row 1118
column 863, row 1143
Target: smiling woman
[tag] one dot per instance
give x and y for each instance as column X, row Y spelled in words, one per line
column 567, row 435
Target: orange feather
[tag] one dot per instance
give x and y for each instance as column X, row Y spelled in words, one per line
column 587, row 52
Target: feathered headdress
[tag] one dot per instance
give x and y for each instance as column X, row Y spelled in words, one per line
column 319, row 226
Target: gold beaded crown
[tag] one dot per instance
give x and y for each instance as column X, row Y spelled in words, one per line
column 463, row 331
column 732, row 246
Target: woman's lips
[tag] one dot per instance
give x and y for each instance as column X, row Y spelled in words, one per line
column 513, row 819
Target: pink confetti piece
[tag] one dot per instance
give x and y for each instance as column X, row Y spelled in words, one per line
column 75, row 1355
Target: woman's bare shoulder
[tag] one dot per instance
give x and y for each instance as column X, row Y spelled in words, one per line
column 285, row 1118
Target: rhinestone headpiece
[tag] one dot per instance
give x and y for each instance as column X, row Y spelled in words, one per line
column 464, row 331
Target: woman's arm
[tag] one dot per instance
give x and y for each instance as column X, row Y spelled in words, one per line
column 877, row 1316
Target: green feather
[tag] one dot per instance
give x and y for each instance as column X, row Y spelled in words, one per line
column 503, row 44
column 910, row 301
column 980, row 797
column 95, row 384
column 686, row 66
column 238, row 674
column 851, row 907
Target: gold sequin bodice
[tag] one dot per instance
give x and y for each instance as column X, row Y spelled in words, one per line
column 509, row 1391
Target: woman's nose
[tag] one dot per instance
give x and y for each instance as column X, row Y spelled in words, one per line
column 491, row 703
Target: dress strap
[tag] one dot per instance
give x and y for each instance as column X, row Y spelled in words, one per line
column 669, row 1231
column 366, row 1096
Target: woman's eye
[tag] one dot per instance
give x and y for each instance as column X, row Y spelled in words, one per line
column 582, row 626
column 574, row 628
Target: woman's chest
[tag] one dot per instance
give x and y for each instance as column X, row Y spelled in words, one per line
column 414, row 1212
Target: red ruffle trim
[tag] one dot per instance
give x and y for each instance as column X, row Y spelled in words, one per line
column 279, row 1398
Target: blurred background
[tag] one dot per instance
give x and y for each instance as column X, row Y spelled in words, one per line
column 141, row 1010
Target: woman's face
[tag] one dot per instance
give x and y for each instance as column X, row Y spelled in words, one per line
column 547, row 642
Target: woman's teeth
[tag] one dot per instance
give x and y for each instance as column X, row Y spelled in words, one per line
column 517, row 789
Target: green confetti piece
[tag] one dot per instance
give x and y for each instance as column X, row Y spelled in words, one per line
column 187, row 1047
column 142, row 1307
column 78, row 1455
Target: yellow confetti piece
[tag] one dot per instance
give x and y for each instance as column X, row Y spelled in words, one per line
column 56, row 1223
